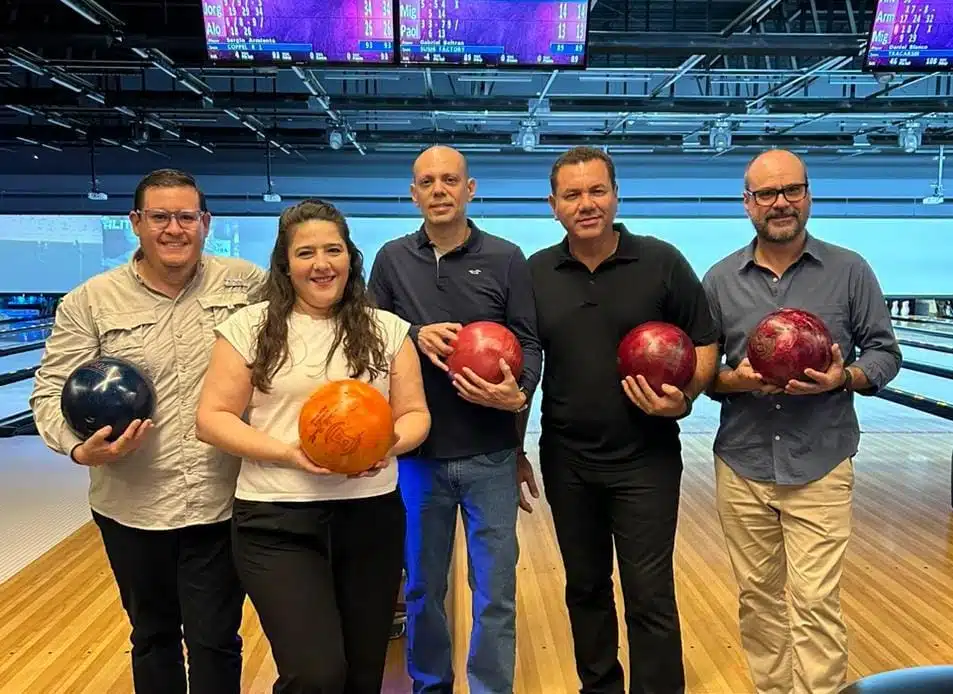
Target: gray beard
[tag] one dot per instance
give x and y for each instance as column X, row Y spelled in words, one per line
column 778, row 235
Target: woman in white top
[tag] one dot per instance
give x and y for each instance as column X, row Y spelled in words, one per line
column 320, row 554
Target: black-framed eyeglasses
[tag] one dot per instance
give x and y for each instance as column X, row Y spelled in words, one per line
column 767, row 196
column 160, row 219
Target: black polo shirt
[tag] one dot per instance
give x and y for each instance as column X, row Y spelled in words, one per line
column 582, row 317
column 486, row 278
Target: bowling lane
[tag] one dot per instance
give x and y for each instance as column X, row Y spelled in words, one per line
column 37, row 337
column 926, row 320
column 926, row 329
column 927, row 356
column 6, row 314
column 927, row 385
column 26, row 334
column 23, row 360
column 39, row 323
column 15, row 397
column 942, row 341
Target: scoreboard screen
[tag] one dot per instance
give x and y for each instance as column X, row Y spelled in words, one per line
column 911, row 36
column 494, row 33
column 299, row 32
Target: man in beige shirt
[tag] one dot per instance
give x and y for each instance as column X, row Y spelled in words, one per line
column 161, row 498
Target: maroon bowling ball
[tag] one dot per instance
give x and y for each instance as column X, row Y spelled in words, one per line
column 661, row 352
column 480, row 346
column 786, row 342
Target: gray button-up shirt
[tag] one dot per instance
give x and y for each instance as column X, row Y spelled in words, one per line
column 796, row 439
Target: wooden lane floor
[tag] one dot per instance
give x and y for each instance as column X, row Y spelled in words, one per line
column 62, row 628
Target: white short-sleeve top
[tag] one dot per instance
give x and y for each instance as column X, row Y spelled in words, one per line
column 276, row 412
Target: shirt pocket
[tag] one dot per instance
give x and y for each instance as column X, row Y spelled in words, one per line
column 837, row 319
column 216, row 308
column 125, row 335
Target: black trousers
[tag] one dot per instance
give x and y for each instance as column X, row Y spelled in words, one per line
column 175, row 580
column 324, row 578
column 636, row 507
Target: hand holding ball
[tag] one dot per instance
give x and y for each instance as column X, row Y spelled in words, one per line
column 479, row 346
column 346, row 427
column 787, row 342
column 660, row 352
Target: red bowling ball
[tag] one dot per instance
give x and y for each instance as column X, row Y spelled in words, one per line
column 661, row 352
column 480, row 346
column 786, row 342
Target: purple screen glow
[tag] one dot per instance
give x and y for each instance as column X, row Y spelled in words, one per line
column 494, row 32
column 300, row 31
column 912, row 34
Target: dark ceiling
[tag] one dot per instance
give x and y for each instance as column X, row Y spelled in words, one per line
column 665, row 76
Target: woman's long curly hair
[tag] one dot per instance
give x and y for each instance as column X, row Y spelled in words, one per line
column 362, row 339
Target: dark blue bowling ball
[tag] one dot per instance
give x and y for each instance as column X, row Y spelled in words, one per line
column 107, row 391
column 926, row 679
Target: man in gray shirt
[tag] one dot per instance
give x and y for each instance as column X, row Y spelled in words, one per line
column 784, row 456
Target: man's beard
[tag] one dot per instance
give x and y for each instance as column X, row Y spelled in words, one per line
column 780, row 235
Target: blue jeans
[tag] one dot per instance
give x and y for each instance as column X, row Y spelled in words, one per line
column 486, row 490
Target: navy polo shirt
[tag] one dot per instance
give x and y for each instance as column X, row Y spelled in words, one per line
column 486, row 278
column 583, row 316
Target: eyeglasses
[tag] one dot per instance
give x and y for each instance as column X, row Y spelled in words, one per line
column 767, row 196
column 160, row 219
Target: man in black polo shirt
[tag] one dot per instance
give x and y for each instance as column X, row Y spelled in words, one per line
column 610, row 454
column 445, row 275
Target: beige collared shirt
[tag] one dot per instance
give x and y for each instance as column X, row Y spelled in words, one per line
column 173, row 479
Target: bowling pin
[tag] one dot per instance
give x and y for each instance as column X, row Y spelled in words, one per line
column 905, row 310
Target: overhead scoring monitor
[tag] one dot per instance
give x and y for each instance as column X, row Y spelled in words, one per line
column 494, row 33
column 911, row 36
column 302, row 32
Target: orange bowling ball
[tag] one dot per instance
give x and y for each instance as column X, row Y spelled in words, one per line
column 346, row 426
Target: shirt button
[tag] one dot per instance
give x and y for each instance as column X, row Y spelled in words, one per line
column 777, row 438
column 777, row 407
column 775, row 280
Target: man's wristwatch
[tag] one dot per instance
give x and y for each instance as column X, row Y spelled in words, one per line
column 688, row 406
column 848, row 379
column 522, row 408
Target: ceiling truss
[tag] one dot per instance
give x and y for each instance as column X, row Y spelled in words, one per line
column 668, row 76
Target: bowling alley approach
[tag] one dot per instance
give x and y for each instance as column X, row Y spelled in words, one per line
column 476, row 347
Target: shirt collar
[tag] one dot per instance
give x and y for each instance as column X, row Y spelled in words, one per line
column 812, row 248
column 473, row 243
column 626, row 250
column 196, row 278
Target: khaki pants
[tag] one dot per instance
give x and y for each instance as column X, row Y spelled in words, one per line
column 793, row 537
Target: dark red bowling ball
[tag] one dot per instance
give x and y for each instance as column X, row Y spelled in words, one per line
column 480, row 346
column 661, row 352
column 786, row 342
column 106, row 391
